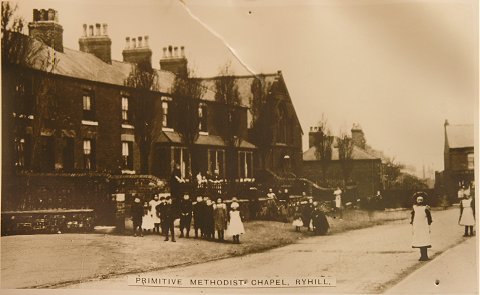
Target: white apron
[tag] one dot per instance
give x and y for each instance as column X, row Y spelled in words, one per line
column 421, row 229
column 153, row 204
column 467, row 218
column 235, row 227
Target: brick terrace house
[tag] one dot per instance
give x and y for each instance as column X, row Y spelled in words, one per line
column 366, row 170
column 81, row 120
column 459, row 159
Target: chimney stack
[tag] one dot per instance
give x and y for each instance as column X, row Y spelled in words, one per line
column 45, row 28
column 97, row 42
column 174, row 60
column 358, row 137
column 140, row 53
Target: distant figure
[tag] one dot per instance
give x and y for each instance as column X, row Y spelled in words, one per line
column 319, row 220
column 147, row 220
column 209, row 226
column 160, row 210
column 307, row 214
column 467, row 214
column 297, row 219
column 198, row 216
column 185, row 215
column 220, row 217
column 175, row 181
column 169, row 219
column 271, row 194
column 338, row 201
column 421, row 220
column 235, row 227
column 155, row 216
column 137, row 214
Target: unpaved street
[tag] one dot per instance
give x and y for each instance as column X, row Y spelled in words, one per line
column 363, row 261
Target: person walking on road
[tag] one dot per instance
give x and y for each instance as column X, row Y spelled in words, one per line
column 467, row 214
column 137, row 215
column 421, row 220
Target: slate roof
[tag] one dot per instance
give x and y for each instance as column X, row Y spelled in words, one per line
column 210, row 140
column 459, row 136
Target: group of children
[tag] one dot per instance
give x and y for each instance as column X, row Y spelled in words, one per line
column 421, row 219
column 159, row 215
column 311, row 216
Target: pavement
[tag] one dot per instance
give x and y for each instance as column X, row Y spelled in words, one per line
column 370, row 260
column 453, row 272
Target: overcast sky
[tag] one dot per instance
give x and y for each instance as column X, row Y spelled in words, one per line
column 399, row 68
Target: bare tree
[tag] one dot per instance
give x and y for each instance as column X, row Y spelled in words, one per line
column 187, row 92
column 143, row 80
column 226, row 92
column 392, row 172
column 322, row 142
column 345, row 150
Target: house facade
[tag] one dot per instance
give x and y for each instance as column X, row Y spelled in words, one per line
column 459, row 159
column 77, row 115
column 365, row 173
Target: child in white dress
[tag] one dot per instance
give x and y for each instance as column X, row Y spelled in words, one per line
column 467, row 214
column 235, row 227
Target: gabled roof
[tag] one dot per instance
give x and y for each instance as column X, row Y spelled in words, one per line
column 357, row 154
column 459, row 136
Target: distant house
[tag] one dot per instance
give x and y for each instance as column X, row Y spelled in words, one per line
column 366, row 171
column 459, row 159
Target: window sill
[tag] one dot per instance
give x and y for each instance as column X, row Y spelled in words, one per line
column 128, row 171
column 167, row 129
column 89, row 123
column 127, row 126
column 203, row 132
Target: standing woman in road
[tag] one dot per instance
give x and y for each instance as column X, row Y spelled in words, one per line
column 467, row 214
column 421, row 220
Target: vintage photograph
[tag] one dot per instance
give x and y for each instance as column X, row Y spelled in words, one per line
column 244, row 146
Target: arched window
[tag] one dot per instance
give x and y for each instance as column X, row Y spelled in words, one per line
column 282, row 124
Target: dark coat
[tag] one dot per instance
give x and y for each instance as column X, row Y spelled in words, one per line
column 320, row 222
column 160, row 208
column 168, row 213
column 307, row 214
column 186, row 207
column 137, row 212
column 199, row 214
column 209, row 220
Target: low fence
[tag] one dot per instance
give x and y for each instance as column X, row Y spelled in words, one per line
column 47, row 221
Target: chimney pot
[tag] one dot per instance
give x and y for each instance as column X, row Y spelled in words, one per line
column 90, row 29
column 51, row 14
column 164, row 51
column 134, row 43
column 127, row 43
column 43, row 15
column 84, row 30
column 175, row 50
column 170, row 48
column 145, row 42
column 183, row 51
column 140, row 42
column 36, row 15
column 97, row 31
column 105, row 29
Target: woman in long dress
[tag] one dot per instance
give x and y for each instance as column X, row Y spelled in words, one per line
column 235, row 227
column 467, row 214
column 421, row 220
